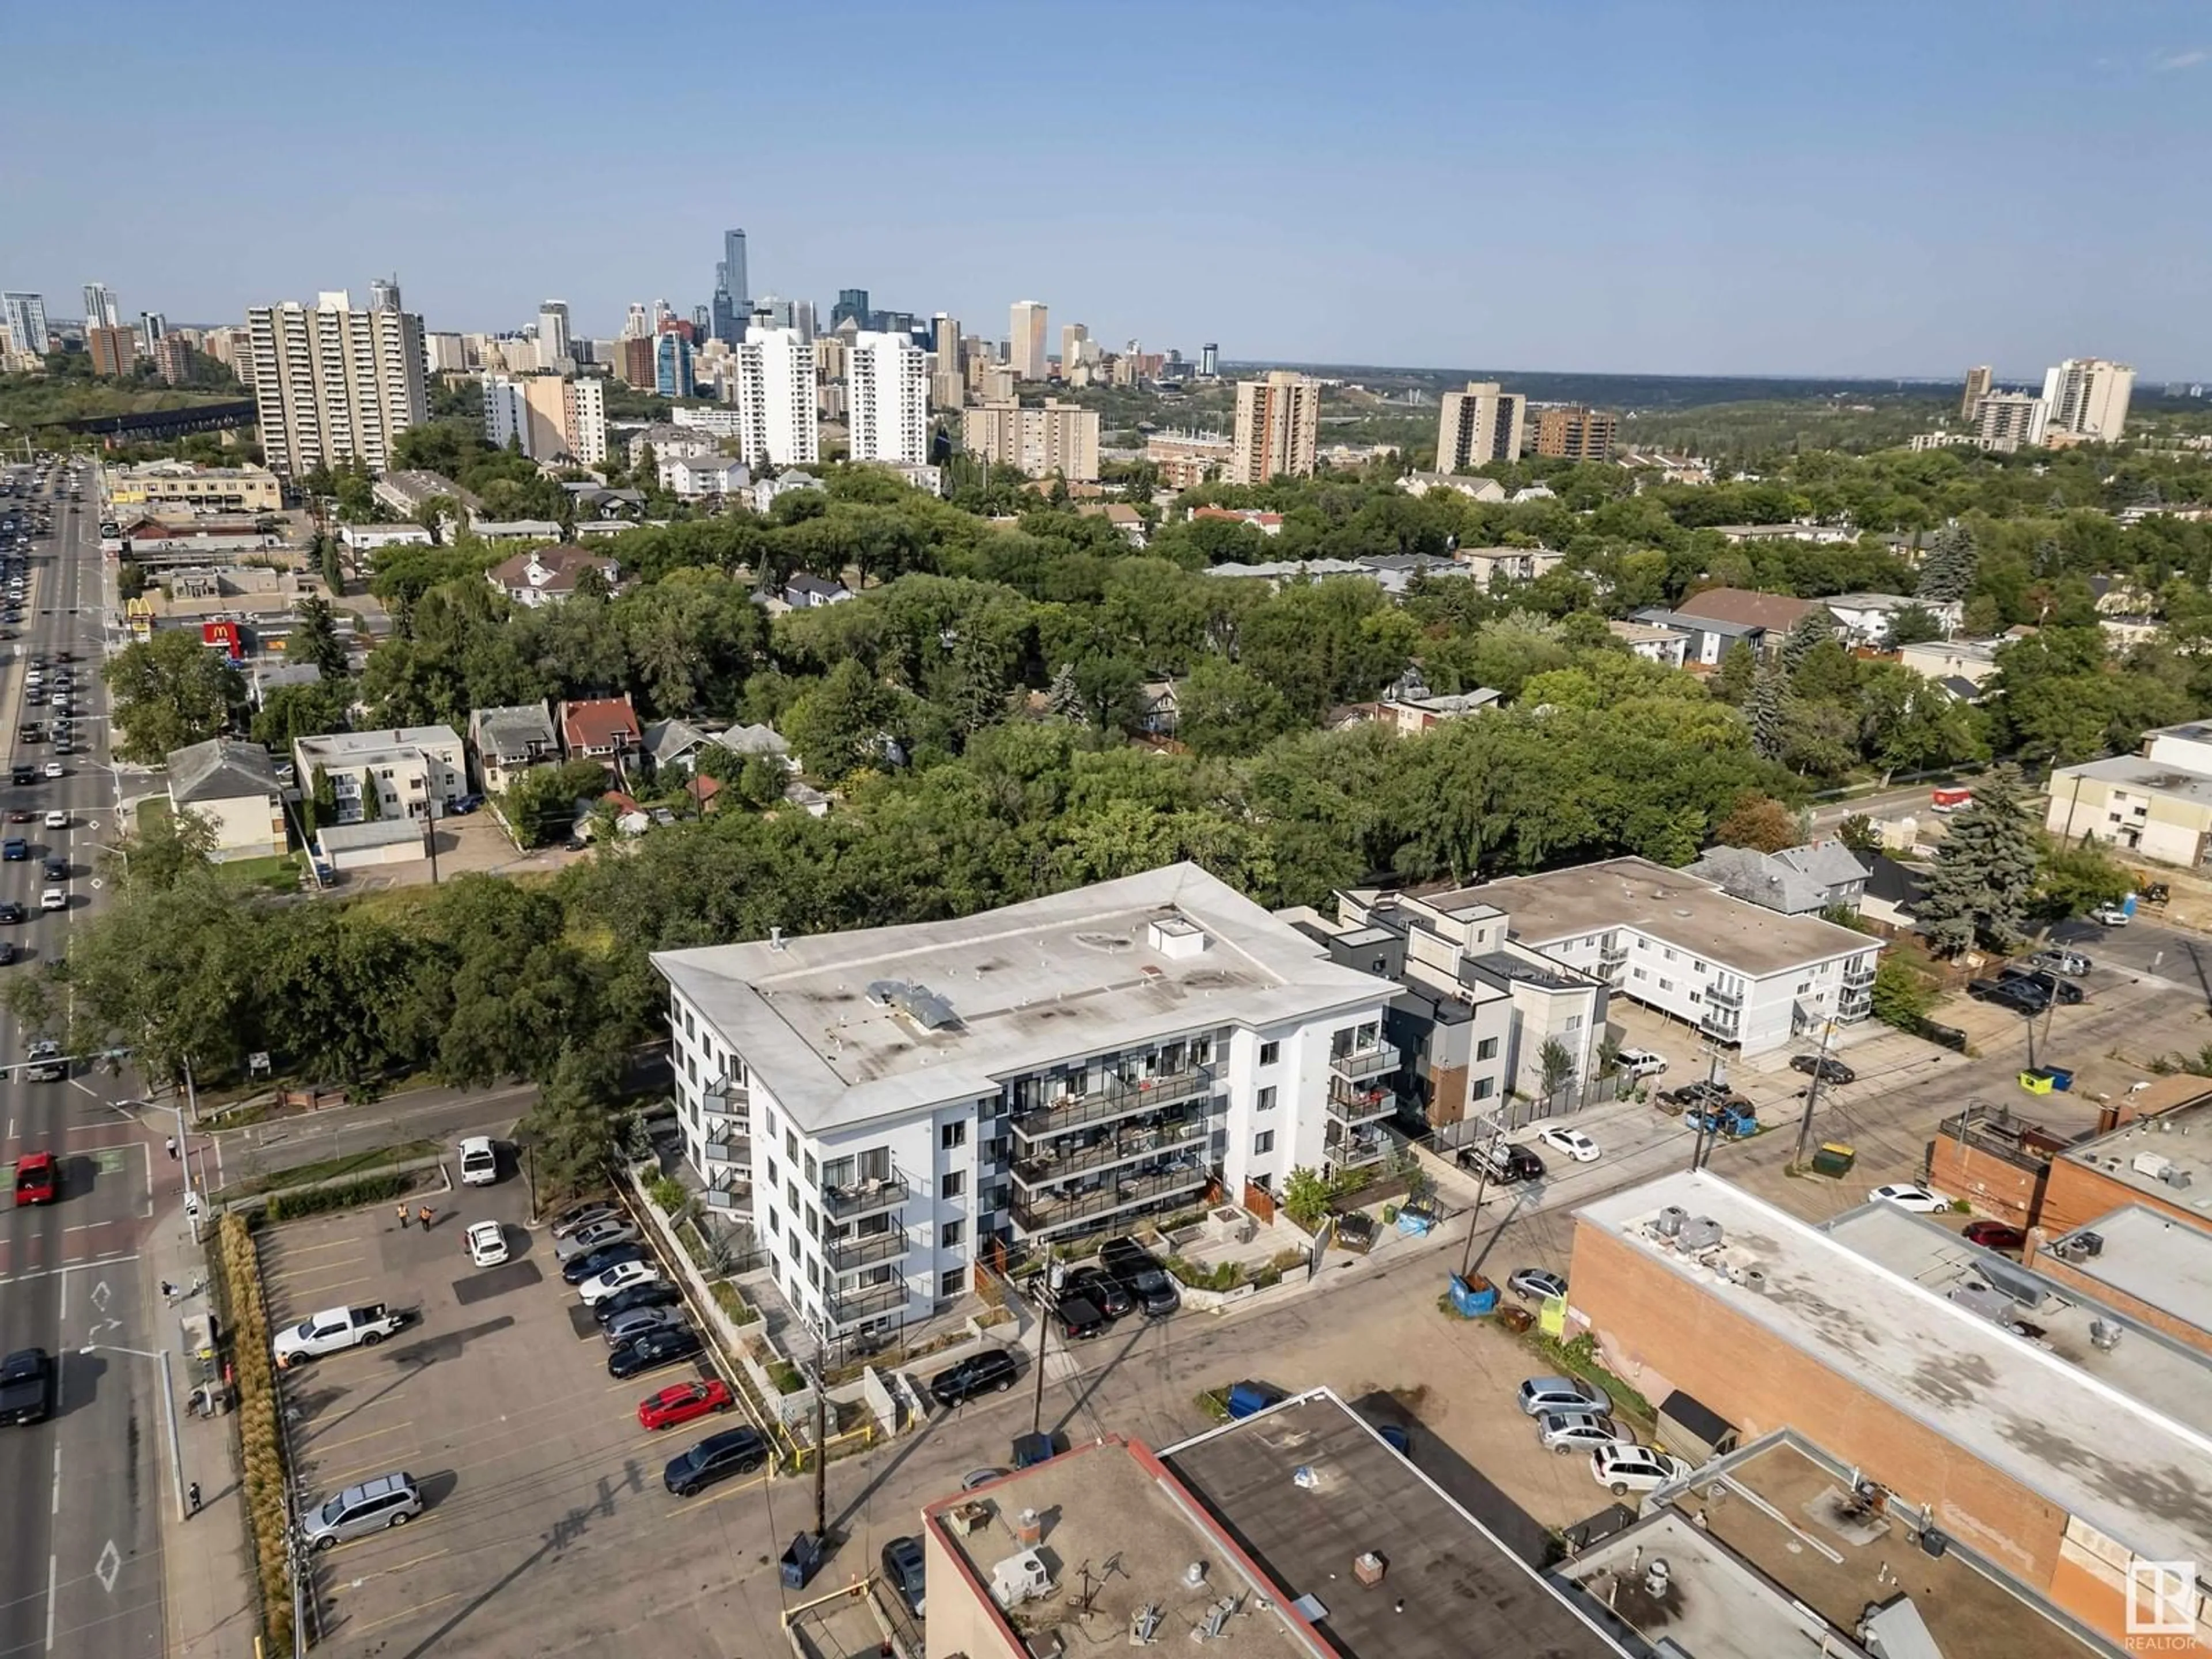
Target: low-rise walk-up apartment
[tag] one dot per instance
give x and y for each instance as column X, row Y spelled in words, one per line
column 886, row 1106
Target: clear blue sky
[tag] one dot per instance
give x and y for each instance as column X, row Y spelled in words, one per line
column 1854, row 187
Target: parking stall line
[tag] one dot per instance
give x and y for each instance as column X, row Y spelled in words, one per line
column 316, row 1447
column 727, row 1491
column 406, row 1612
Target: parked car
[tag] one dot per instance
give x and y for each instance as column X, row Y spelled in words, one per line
column 1994, row 1236
column 1822, row 1066
column 683, row 1402
column 2111, row 915
column 1573, row 1431
column 579, row 1268
column 992, row 1371
column 479, row 1161
column 1624, row 1469
column 655, row 1349
column 487, row 1243
column 1909, row 1195
column 390, row 1500
column 579, row 1216
column 2018, row 995
column 1081, row 1319
column 2063, row 962
column 651, row 1293
column 733, row 1451
column 2065, row 990
column 1536, row 1284
column 1133, row 1266
column 597, row 1237
column 1640, row 1062
column 1573, row 1142
column 1099, row 1288
column 1539, row 1394
column 983, row 1477
column 619, row 1277
column 638, row 1321
column 902, row 1569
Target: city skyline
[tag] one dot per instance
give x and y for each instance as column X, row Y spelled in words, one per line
column 1666, row 205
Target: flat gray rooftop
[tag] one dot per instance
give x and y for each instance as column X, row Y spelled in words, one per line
column 1029, row 987
column 1682, row 910
column 1109, row 1507
column 1463, row 1592
column 2143, row 1155
column 2161, row 1262
column 2082, row 1442
column 2169, row 1377
column 1744, row 1585
column 2138, row 772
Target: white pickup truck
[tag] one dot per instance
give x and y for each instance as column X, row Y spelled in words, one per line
column 336, row 1328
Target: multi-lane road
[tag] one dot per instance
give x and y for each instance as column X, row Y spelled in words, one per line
column 82, row 1495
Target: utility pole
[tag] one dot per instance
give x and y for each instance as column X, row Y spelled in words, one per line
column 821, row 1449
column 1054, row 1274
column 1708, row 1123
column 1813, row 1093
column 1481, row 1186
column 184, row 1149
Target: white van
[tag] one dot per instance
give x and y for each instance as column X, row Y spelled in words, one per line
column 479, row 1163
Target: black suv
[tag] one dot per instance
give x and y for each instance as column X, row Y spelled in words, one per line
column 733, row 1451
column 1131, row 1266
column 2022, row 996
column 1828, row 1070
column 653, row 1349
column 2044, row 981
column 992, row 1371
column 1080, row 1318
column 592, row 1266
column 1098, row 1287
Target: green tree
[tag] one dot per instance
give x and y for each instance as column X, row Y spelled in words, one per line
column 170, row 691
column 1759, row 822
column 1915, row 624
column 2076, row 877
column 1858, row 833
column 1306, row 1197
column 316, row 640
column 166, row 849
column 1984, row 874
column 1766, row 710
column 1903, row 995
column 1816, row 627
column 1556, row 1064
column 570, row 1131
column 292, row 711
column 1738, row 671
column 540, row 802
column 835, row 725
column 322, row 797
column 1948, row 564
column 372, row 798
column 1224, row 709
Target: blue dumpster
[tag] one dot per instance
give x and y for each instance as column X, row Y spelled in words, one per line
column 1473, row 1300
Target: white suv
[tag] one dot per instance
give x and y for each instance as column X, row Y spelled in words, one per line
column 479, row 1161
column 1626, row 1469
column 1640, row 1062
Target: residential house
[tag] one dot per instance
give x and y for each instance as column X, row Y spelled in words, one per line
column 1268, row 523
column 507, row 741
column 364, row 538
column 804, row 592
column 1797, row 531
column 1160, row 709
column 1705, row 639
column 1773, row 614
column 413, row 772
column 665, row 440
column 365, row 844
column 1865, row 617
column 515, row 529
column 1892, row 892
column 1413, row 708
column 1973, row 662
column 547, row 576
column 1798, row 881
column 233, row 789
column 601, row 729
column 1475, row 490
column 765, row 490
column 756, row 740
column 1123, row 517
column 1666, row 646
column 675, row 743
column 406, row 491
column 695, row 477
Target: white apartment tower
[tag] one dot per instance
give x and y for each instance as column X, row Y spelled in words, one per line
column 552, row 333
column 101, row 308
column 2089, row 398
column 778, row 420
column 1278, row 426
column 1025, row 340
column 335, row 385
column 887, row 398
column 547, row 417
column 885, row 1106
column 25, row 315
column 2006, row 421
column 1480, row 425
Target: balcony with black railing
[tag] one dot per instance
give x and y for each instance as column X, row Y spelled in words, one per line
column 1056, row 1211
column 1350, row 1103
column 866, row 1301
column 1728, row 996
column 1361, row 1064
column 725, row 1094
column 866, row 1249
column 868, row 1197
column 1858, row 975
column 730, row 1196
column 1111, row 1100
column 1067, row 1158
column 1354, row 1151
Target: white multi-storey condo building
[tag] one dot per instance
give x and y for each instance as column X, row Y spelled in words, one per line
column 25, row 317
column 548, row 416
column 887, row 398
column 2089, row 397
column 777, row 414
column 886, row 1105
column 2006, row 421
column 1025, row 336
column 101, row 308
column 335, row 385
column 1481, row 424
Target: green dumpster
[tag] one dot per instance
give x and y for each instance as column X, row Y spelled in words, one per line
column 1834, row 1158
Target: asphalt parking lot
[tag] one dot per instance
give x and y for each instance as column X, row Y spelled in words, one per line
column 496, row 1397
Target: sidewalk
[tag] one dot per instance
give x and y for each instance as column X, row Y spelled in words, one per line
column 207, row 1598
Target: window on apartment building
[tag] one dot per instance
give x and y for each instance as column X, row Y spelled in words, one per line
column 1484, row 1088
column 1697, row 965
column 791, row 1145
column 1487, row 1049
column 791, row 1194
column 1804, row 988
column 1636, row 973
column 813, row 1171
column 955, row 1184
column 1666, row 984
column 1574, row 1022
column 1267, row 1099
column 953, row 1281
column 1670, row 956
column 951, row 1135
column 1263, row 1143
column 950, row 1235
column 688, row 1029
column 1270, row 1053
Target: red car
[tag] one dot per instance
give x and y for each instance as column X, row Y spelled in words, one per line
column 1994, row 1235
column 19, row 815
column 680, row 1402
column 36, row 1179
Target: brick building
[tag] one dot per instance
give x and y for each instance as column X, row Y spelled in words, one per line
column 2062, row 1466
